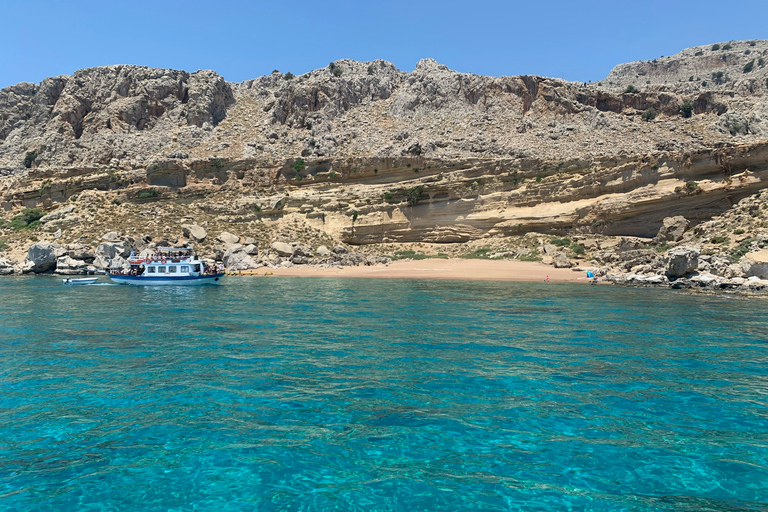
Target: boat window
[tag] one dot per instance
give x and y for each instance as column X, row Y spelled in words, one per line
column 196, row 268
column 151, row 270
column 161, row 270
column 172, row 268
column 184, row 268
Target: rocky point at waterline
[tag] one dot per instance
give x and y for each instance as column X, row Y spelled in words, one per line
column 364, row 158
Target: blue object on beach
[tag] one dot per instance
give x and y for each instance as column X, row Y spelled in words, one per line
column 590, row 273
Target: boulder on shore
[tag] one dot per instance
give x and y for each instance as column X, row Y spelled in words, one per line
column 755, row 264
column 237, row 258
column 68, row 266
column 561, row 261
column 282, row 248
column 6, row 267
column 42, row 257
column 107, row 251
column 682, row 260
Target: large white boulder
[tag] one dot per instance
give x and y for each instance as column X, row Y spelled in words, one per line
column 282, row 248
column 194, row 232
column 107, row 251
column 6, row 267
column 682, row 260
column 69, row 266
column 42, row 257
column 237, row 258
column 228, row 238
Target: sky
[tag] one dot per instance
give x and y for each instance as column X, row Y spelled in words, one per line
column 240, row 39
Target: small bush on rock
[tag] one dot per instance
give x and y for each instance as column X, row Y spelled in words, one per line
column 650, row 114
column 687, row 109
column 29, row 158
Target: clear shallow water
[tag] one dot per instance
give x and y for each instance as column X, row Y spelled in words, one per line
column 329, row 394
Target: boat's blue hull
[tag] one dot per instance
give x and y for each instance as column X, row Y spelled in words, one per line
column 164, row 280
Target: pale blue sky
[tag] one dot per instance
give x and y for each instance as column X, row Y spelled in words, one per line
column 576, row 40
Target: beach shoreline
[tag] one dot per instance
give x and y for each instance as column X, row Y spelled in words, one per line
column 456, row 269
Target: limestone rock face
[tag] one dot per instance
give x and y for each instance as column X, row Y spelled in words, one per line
column 194, row 232
column 282, row 248
column 672, row 229
column 91, row 116
column 323, row 251
column 42, row 257
column 682, row 260
column 236, row 258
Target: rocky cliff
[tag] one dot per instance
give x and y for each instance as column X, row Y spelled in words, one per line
column 363, row 153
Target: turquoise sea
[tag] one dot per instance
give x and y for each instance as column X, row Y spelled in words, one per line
column 289, row 394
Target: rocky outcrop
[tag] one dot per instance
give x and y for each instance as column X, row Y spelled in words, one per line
column 88, row 118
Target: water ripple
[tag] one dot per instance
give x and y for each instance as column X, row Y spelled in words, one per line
column 332, row 394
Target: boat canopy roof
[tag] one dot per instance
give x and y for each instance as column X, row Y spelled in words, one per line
column 175, row 249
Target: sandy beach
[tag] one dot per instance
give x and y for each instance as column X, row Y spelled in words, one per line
column 470, row 269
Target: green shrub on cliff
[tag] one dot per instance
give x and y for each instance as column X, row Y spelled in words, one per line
column 146, row 194
column 743, row 248
column 577, row 249
column 413, row 195
column 687, row 109
column 650, row 114
column 29, row 158
column 299, row 165
column 631, row 89
column 27, row 219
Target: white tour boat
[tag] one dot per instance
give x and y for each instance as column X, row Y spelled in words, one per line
column 179, row 266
